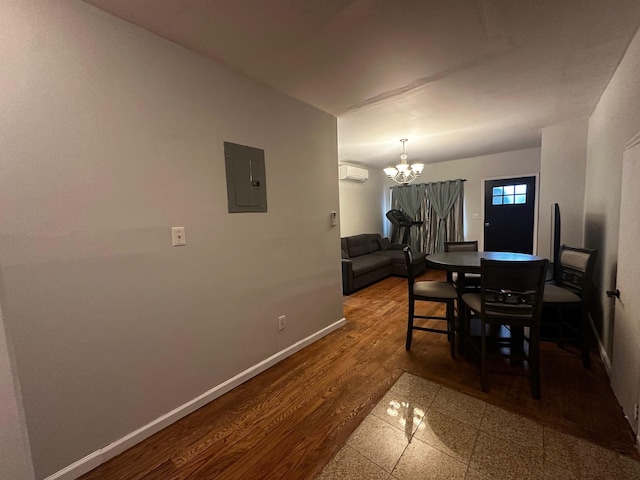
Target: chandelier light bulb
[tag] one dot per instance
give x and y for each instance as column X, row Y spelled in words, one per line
column 403, row 173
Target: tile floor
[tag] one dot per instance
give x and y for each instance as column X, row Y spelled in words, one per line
column 421, row 430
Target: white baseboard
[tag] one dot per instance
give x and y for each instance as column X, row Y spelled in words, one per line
column 605, row 357
column 606, row 361
column 601, row 350
column 100, row 456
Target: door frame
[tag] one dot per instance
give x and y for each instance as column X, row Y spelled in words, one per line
column 612, row 372
column 535, row 205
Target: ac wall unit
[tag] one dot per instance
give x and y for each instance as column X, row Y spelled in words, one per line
column 356, row 174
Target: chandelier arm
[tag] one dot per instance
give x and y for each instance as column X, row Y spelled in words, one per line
column 404, row 173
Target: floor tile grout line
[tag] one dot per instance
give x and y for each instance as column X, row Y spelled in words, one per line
column 467, row 464
column 473, row 449
column 400, row 457
column 439, row 390
column 371, row 414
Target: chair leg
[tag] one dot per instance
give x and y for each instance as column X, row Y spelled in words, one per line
column 448, row 317
column 560, row 326
column 516, row 345
column 410, row 325
column 534, row 363
column 584, row 338
column 483, row 358
column 466, row 328
column 463, row 317
column 451, row 327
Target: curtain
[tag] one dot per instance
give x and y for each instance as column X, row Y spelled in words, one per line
column 442, row 197
column 407, row 198
column 419, row 202
column 453, row 225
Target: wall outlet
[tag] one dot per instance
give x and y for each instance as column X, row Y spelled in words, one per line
column 282, row 322
column 635, row 412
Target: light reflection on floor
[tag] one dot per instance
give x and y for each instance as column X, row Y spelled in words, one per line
column 421, row 430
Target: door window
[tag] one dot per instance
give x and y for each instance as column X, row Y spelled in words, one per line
column 509, row 195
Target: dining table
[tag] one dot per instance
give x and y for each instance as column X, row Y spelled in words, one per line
column 464, row 262
column 469, row 262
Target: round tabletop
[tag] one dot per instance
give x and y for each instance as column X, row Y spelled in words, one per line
column 469, row 262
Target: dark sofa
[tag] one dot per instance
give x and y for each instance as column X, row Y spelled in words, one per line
column 368, row 258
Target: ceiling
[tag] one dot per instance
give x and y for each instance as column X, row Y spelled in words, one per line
column 458, row 78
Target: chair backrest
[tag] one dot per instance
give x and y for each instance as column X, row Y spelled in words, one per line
column 511, row 292
column 576, row 269
column 408, row 258
column 467, row 246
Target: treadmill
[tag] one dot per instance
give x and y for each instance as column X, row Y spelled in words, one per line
column 401, row 221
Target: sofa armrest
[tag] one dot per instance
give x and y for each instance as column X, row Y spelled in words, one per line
column 347, row 276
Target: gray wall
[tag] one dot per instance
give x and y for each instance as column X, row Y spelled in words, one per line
column 111, row 136
column 563, row 165
column 362, row 205
column 615, row 120
column 15, row 455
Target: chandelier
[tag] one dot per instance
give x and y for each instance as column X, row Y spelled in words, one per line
column 404, row 173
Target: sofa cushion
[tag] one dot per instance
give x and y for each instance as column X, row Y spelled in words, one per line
column 357, row 246
column 368, row 263
column 361, row 244
column 384, row 243
column 398, row 256
column 372, row 242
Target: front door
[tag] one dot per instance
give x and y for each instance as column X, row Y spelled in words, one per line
column 625, row 364
column 509, row 214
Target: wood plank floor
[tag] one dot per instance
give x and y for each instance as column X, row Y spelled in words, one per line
column 289, row 421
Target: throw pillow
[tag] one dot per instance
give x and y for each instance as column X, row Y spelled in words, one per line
column 344, row 254
column 384, row 243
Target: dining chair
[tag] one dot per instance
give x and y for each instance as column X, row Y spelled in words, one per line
column 471, row 280
column 510, row 296
column 569, row 296
column 430, row 291
column 465, row 246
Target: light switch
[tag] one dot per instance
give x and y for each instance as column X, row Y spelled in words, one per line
column 178, row 236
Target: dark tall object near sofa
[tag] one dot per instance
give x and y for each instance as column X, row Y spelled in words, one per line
column 368, row 258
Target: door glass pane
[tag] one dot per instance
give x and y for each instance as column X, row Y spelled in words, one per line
column 509, row 195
